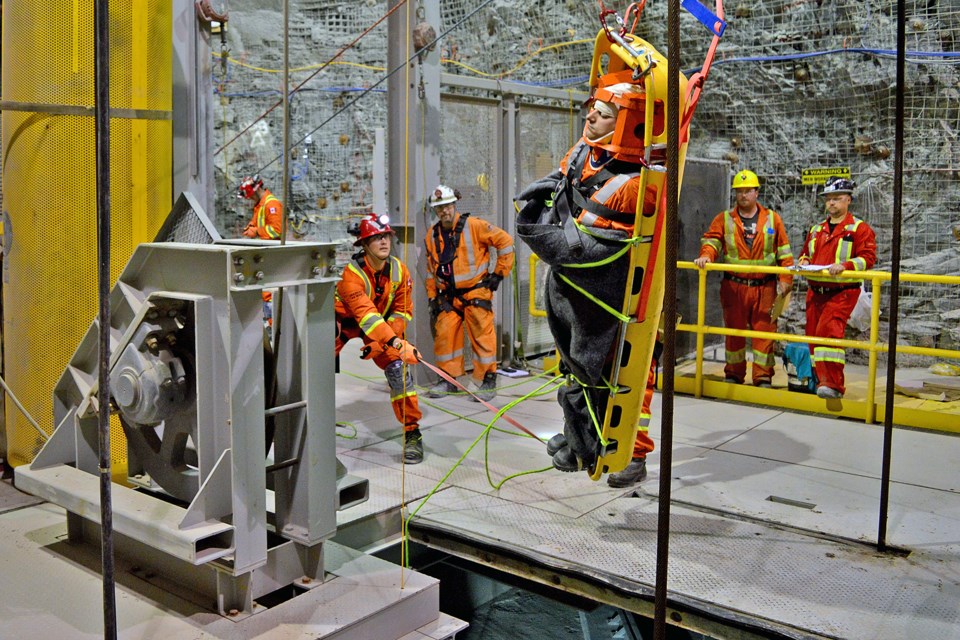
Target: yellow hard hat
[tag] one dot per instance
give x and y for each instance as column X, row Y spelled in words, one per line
column 745, row 180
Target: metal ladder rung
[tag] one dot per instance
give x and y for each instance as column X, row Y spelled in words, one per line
column 285, row 408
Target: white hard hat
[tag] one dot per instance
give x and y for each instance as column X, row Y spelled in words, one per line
column 443, row 195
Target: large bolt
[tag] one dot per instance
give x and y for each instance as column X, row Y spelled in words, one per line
column 258, row 275
column 238, row 278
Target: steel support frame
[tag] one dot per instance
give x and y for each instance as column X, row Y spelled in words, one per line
column 224, row 284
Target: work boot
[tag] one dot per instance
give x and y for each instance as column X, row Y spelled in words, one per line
column 487, row 390
column 567, row 461
column 828, row 393
column 442, row 388
column 556, row 443
column 413, row 446
column 764, row 384
column 731, row 380
column 634, row 473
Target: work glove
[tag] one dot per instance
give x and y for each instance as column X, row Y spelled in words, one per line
column 371, row 351
column 491, row 281
column 407, row 352
column 443, row 304
column 541, row 189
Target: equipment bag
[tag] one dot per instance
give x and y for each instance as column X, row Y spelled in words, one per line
column 800, row 374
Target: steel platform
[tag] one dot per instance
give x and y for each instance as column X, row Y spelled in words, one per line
column 774, row 514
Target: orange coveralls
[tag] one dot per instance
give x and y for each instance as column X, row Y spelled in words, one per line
column 830, row 301
column 267, row 217
column 472, row 304
column 747, row 298
column 376, row 306
column 268, row 221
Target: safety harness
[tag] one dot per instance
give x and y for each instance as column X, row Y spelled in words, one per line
column 573, row 196
column 445, row 273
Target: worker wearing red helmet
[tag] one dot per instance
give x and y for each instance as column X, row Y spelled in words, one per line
column 842, row 242
column 460, row 286
column 267, row 221
column 374, row 302
column 748, row 234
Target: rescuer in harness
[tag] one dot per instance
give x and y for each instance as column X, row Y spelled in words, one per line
column 579, row 220
column 748, row 234
column 842, row 242
column 374, row 302
column 460, row 288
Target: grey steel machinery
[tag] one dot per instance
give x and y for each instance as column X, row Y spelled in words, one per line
column 192, row 385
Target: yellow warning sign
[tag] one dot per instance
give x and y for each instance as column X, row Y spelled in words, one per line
column 820, row 175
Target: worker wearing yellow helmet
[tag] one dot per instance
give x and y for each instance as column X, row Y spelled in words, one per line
column 748, row 234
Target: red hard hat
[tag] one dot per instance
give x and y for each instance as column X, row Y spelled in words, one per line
column 248, row 188
column 373, row 224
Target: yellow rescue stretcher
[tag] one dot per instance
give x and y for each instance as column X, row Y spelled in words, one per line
column 643, row 298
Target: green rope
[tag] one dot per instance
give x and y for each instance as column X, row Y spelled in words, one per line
column 603, row 305
column 483, row 435
column 353, row 436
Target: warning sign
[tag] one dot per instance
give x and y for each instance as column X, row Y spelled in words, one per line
column 820, row 175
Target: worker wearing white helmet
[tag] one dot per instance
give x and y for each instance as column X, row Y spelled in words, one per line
column 460, row 284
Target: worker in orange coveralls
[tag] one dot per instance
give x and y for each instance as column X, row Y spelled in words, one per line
column 748, row 234
column 267, row 220
column 266, row 224
column 842, row 242
column 374, row 302
column 460, row 288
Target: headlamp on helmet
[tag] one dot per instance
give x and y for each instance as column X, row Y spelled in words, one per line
column 373, row 224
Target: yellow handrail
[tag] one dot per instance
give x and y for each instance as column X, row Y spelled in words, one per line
column 877, row 278
column 532, row 304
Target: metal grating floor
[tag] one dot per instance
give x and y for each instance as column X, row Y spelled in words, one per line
column 768, row 508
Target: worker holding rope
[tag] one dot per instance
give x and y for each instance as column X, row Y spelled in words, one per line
column 375, row 303
column 579, row 220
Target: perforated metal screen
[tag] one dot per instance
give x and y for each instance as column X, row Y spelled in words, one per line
column 50, row 295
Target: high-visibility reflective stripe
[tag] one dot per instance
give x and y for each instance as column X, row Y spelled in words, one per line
column 447, row 357
column 842, row 255
column 406, row 316
column 730, row 237
column 487, row 360
column 736, row 357
column 783, row 251
column 764, row 359
column 713, row 243
column 367, row 288
column 401, row 396
column 829, row 354
column 611, row 186
column 370, row 322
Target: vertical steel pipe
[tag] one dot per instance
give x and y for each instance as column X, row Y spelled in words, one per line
column 894, row 274
column 101, row 73
column 670, row 312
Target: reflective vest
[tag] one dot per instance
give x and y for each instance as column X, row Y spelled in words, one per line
column 841, row 255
